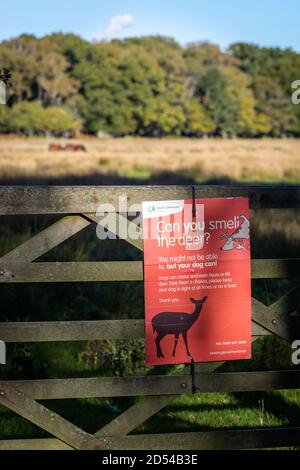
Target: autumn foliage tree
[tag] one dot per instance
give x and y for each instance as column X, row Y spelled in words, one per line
column 148, row 86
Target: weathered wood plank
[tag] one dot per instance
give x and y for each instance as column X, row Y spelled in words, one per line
column 209, row 440
column 22, row 332
column 38, row 414
column 120, row 219
column 135, row 415
column 288, row 303
column 157, row 385
column 34, row 444
column 77, row 199
column 283, row 325
column 259, row 330
column 119, row 270
column 71, row 330
column 275, row 268
column 71, row 271
column 47, row 239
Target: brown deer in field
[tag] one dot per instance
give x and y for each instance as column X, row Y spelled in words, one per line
column 55, row 147
column 175, row 323
column 66, row 148
column 75, row 148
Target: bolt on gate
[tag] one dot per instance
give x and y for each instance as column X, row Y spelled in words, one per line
column 77, row 207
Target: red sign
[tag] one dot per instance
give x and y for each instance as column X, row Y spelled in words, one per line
column 197, row 280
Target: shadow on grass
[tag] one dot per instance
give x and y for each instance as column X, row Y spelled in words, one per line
column 88, row 414
column 244, row 410
column 183, row 176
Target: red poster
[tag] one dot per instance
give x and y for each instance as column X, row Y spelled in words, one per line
column 197, row 280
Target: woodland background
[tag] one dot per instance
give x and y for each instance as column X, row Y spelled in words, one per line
column 147, row 86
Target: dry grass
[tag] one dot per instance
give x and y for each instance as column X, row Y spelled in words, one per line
column 264, row 160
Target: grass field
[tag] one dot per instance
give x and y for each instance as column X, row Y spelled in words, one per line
column 152, row 160
column 276, row 233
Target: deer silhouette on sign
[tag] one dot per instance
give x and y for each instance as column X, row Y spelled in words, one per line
column 175, row 323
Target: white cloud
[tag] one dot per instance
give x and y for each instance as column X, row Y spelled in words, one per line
column 116, row 24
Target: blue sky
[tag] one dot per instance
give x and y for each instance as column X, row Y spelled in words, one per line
column 264, row 22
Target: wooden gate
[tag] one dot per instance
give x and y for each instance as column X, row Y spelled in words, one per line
column 78, row 207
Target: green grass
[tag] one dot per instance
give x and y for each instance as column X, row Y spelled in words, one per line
column 136, row 171
column 212, row 411
column 200, row 412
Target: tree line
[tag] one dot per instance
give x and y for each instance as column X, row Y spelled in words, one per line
column 148, row 86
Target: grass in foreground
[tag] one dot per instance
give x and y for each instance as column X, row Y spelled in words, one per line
column 201, row 412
